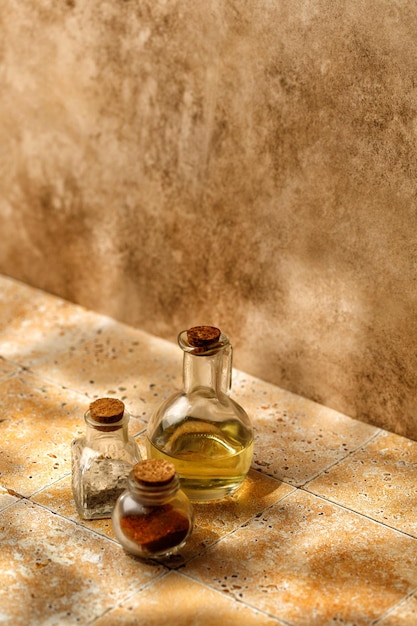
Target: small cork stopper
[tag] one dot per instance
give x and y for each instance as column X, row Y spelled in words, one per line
column 203, row 336
column 107, row 410
column 153, row 472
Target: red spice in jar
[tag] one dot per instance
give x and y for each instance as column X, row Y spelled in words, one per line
column 158, row 530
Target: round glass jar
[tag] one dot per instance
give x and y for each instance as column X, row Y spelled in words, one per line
column 153, row 518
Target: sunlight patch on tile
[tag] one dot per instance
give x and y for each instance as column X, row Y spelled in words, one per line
column 379, row 480
column 214, row 520
column 58, row 499
column 7, row 497
column 405, row 614
column 39, row 423
column 54, row 571
column 37, row 326
column 118, row 361
column 185, row 603
column 7, row 369
column 295, row 438
column 345, row 567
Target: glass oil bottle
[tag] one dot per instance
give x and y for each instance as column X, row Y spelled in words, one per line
column 201, row 430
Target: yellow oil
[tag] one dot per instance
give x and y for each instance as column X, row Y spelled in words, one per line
column 212, row 459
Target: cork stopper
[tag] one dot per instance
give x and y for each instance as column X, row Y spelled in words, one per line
column 107, row 410
column 203, row 336
column 153, row 472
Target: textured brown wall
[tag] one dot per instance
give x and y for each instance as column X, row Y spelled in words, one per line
column 250, row 164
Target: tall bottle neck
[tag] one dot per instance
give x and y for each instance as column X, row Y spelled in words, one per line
column 211, row 373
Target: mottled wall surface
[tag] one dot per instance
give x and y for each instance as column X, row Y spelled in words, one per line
column 250, row 164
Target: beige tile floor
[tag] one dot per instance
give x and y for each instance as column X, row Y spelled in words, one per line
column 323, row 531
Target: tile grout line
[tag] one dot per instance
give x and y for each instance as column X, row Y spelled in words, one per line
column 302, row 485
column 389, row 611
column 23, row 369
column 224, row 594
column 142, row 589
column 27, row 499
column 362, row 445
column 368, row 517
column 233, row 531
column 169, row 569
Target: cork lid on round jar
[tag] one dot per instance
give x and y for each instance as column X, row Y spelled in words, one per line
column 153, row 472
